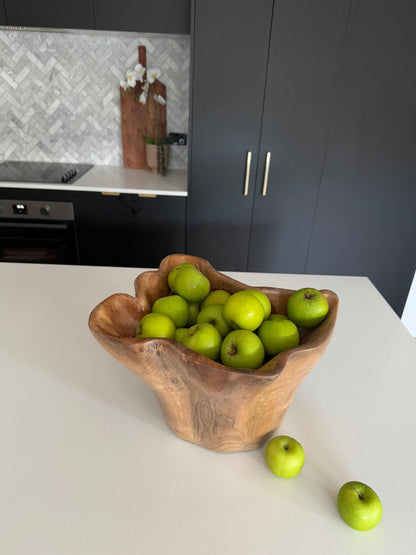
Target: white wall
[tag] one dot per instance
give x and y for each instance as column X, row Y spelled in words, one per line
column 409, row 313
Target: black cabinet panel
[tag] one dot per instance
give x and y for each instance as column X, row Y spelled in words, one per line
column 365, row 221
column 103, row 224
column 77, row 14
column 305, row 53
column 2, row 13
column 228, row 76
column 158, row 16
column 127, row 230
column 158, row 229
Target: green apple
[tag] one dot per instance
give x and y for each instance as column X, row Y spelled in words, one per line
column 242, row 349
column 216, row 296
column 179, row 333
column 191, row 284
column 359, row 506
column 278, row 317
column 307, row 307
column 278, row 335
column 243, row 310
column 284, row 456
column 264, row 299
column 214, row 314
column 173, row 273
column 174, row 306
column 204, row 339
column 194, row 309
column 156, row 325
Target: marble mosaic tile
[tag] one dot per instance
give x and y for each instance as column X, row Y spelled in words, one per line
column 59, row 93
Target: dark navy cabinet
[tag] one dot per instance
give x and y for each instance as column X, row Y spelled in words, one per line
column 322, row 94
column 261, row 110
column 3, row 20
column 128, row 230
column 365, row 221
column 77, row 14
column 159, row 16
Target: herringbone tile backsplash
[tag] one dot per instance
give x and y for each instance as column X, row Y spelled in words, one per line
column 59, row 93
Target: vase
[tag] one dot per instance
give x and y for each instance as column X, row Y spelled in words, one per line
column 157, row 158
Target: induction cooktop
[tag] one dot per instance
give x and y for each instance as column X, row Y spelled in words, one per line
column 42, row 172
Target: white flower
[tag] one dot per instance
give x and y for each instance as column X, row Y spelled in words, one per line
column 143, row 98
column 131, row 79
column 124, row 85
column 139, row 71
column 159, row 98
column 153, row 74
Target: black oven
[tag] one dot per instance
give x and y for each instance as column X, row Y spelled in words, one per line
column 37, row 231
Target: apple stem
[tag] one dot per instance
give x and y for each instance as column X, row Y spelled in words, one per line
column 358, row 493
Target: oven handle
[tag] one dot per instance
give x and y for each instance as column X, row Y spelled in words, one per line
column 27, row 225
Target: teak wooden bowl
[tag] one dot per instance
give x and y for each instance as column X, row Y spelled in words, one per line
column 205, row 402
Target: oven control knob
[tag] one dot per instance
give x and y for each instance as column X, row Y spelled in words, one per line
column 45, row 210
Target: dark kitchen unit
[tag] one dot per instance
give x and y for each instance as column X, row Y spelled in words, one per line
column 40, row 227
column 46, row 225
column 37, row 231
column 305, row 163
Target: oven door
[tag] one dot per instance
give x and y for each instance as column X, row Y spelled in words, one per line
column 51, row 243
column 29, row 232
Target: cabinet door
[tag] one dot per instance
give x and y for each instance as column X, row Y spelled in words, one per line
column 103, row 224
column 365, row 222
column 2, row 14
column 158, row 229
column 77, row 14
column 161, row 16
column 231, row 42
column 305, row 52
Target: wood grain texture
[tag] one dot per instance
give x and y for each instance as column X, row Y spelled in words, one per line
column 205, row 402
column 139, row 119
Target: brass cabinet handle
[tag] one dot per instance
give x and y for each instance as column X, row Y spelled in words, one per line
column 247, row 179
column 266, row 174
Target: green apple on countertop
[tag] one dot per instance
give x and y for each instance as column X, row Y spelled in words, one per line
column 359, row 506
column 284, row 456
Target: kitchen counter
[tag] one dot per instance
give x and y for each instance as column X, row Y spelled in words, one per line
column 89, row 466
column 116, row 180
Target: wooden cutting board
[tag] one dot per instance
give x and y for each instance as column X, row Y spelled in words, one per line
column 139, row 119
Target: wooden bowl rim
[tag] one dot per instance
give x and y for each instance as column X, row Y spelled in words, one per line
column 321, row 334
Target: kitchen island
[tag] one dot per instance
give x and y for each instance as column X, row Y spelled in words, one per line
column 89, row 466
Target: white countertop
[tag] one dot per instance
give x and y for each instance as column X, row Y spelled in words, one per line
column 89, row 466
column 116, row 180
